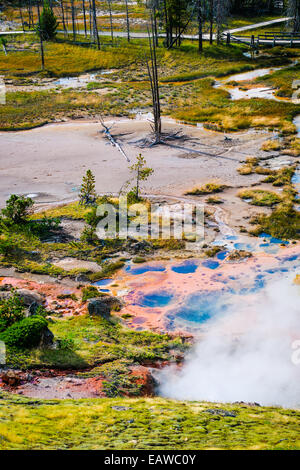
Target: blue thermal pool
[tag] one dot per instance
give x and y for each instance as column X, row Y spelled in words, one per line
column 102, row 282
column 145, row 268
column 156, row 299
column 185, row 268
column 200, row 307
column 211, row 264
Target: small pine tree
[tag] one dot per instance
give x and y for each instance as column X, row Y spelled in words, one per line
column 88, row 193
column 141, row 173
column 47, row 26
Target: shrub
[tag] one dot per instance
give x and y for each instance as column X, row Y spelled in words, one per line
column 90, row 292
column 26, row 333
column 17, row 209
column 11, row 310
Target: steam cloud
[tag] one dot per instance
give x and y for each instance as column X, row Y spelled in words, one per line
column 246, row 355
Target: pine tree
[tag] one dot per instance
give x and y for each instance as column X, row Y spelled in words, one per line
column 47, row 26
column 88, row 193
column 141, row 173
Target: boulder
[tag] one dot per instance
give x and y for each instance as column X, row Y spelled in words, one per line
column 47, row 339
column 30, row 297
column 11, row 377
column 135, row 246
column 97, row 307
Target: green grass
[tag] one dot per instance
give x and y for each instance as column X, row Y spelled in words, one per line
column 260, row 197
column 284, row 222
column 151, row 423
column 282, row 80
column 96, row 342
column 187, row 91
column 208, row 188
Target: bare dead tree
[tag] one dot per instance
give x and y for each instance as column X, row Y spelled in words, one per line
column 21, row 16
column 154, row 85
column 63, row 17
column 111, row 21
column 73, row 20
column 91, row 21
column 200, row 27
column 127, row 21
column 211, row 21
column 95, row 26
column 166, row 23
column 84, row 17
column 40, row 36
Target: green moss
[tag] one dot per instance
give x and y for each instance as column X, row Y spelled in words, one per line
column 139, row 423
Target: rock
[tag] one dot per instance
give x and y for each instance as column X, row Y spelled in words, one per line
column 46, row 338
column 96, row 306
column 121, row 408
column 237, row 255
column 142, row 377
column 221, row 412
column 28, row 297
column 135, row 246
column 81, row 278
column 11, row 378
column 32, row 308
column 111, row 301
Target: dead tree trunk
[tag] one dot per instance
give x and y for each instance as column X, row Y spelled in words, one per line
column 21, row 16
column 127, row 21
column 41, row 37
column 84, row 17
column 200, row 27
column 73, row 20
column 111, row 22
column 95, row 24
column 113, row 142
column 63, row 18
column 167, row 24
column 153, row 78
column 211, row 21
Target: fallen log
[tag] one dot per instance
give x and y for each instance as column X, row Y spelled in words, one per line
column 113, row 142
